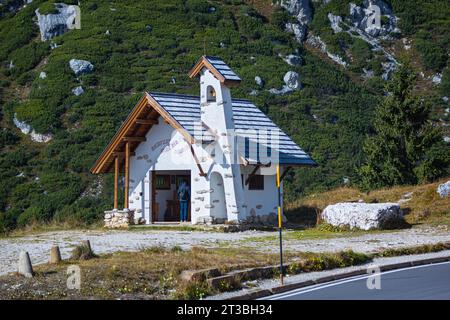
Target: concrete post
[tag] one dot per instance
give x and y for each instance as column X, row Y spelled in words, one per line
column 25, row 268
column 55, row 255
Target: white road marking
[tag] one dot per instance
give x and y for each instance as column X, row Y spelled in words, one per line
column 339, row 282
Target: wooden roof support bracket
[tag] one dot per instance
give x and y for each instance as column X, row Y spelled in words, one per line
column 132, row 139
column 259, row 165
column 284, row 173
column 202, row 173
column 147, row 121
column 252, row 174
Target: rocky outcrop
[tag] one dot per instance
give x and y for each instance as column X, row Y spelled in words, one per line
column 335, row 21
column 365, row 216
column 80, row 67
column 292, row 82
column 25, row 128
column 444, row 189
column 56, row 24
column 302, row 11
column 316, row 42
column 363, row 18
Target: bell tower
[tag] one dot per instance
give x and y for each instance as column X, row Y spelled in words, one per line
column 216, row 108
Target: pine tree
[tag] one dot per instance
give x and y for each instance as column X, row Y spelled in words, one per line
column 406, row 147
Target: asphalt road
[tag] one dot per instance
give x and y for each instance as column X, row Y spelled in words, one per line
column 428, row 282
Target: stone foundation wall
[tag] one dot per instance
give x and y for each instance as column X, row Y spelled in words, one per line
column 119, row 218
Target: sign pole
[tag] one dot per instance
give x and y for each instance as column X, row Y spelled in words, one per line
column 280, row 224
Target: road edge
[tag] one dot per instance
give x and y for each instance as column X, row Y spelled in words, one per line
column 261, row 293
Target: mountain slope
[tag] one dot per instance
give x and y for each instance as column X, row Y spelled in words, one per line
column 152, row 45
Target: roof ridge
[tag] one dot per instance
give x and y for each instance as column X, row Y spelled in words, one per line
column 192, row 96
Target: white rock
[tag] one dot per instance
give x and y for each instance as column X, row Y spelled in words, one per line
column 437, row 78
column 52, row 25
column 362, row 18
column 25, row 128
column 444, row 189
column 80, row 66
column 292, row 80
column 42, row 75
column 335, row 21
column 302, row 11
column 78, row 91
column 293, row 59
column 365, row 216
column 259, row 81
column 316, row 42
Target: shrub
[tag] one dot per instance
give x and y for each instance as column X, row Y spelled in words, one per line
column 82, row 252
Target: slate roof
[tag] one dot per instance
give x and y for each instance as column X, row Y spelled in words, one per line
column 223, row 68
column 185, row 109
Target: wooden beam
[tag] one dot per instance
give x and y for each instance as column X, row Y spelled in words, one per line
column 116, row 181
column 132, row 139
column 284, row 173
column 202, row 173
column 252, row 174
column 127, row 173
column 122, row 154
column 147, row 121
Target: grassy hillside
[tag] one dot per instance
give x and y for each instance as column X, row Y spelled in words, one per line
column 142, row 45
column 420, row 204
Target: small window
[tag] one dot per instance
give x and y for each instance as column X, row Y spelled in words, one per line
column 211, row 94
column 256, row 182
column 162, row 182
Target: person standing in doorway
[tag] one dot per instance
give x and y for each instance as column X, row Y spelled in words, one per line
column 183, row 197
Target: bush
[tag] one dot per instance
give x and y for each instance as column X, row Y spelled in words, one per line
column 82, row 252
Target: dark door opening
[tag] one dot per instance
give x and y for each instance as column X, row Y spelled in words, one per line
column 165, row 202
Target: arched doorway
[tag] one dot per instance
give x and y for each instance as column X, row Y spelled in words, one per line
column 217, row 198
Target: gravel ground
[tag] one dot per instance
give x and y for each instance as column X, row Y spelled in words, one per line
column 271, row 283
column 38, row 245
column 373, row 242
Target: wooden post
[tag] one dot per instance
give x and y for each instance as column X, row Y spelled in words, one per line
column 280, row 226
column 116, row 181
column 127, row 173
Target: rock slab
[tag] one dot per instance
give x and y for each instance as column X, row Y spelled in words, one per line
column 444, row 189
column 365, row 216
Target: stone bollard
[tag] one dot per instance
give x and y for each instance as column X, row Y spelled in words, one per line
column 25, row 267
column 55, row 255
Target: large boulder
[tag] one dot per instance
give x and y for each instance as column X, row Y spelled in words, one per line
column 56, row 24
column 292, row 82
column 444, row 189
column 81, row 66
column 365, row 216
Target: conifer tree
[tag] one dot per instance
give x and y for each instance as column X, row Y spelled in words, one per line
column 406, row 148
